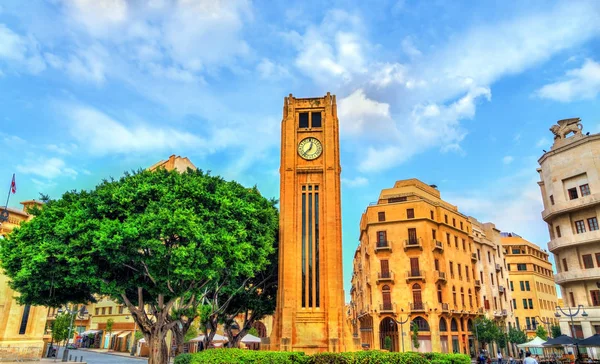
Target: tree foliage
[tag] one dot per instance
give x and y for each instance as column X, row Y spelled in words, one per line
column 415, row 335
column 60, row 327
column 149, row 240
column 516, row 336
column 556, row 332
column 541, row 332
column 487, row 330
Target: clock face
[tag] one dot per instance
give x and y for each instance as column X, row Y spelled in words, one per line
column 310, row 148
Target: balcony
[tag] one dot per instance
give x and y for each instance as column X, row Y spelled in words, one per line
column 418, row 307
column 387, row 307
column 385, row 277
column 474, row 257
column 413, row 244
column 480, row 310
column 415, row 275
column 440, row 276
column 385, row 245
column 577, row 275
column 438, row 245
column 477, row 283
column 569, row 240
column 498, row 267
column 570, row 206
column 504, row 312
column 501, row 289
column 445, row 307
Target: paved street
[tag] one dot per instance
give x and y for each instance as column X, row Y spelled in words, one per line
column 91, row 357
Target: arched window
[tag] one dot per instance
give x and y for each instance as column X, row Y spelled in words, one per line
column 443, row 325
column 421, row 323
column 439, row 293
column 417, row 300
column 454, row 295
column 470, row 298
column 387, row 298
column 453, row 325
column 462, row 296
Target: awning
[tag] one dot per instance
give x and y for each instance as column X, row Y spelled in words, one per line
column 249, row 338
column 90, row 332
column 216, row 338
column 114, row 333
column 124, row 333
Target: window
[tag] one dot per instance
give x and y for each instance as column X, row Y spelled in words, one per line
column 396, row 199
column 593, row 223
column 433, row 232
column 452, row 269
column 527, row 287
column 525, row 304
column 431, row 215
column 508, row 267
column 443, row 326
column 572, row 299
column 530, row 303
column 454, row 295
column 446, row 219
column 104, row 310
column 303, row 120
column 436, row 264
column 588, row 262
column 565, row 266
column 598, row 259
column 316, row 119
column 512, row 287
column 517, row 323
column 381, row 216
column 97, row 311
column 24, row 320
column 412, row 236
column 492, row 278
column 558, row 231
column 595, row 294
column 522, row 284
column 528, row 322
column 579, row 226
column 572, row 193
column 467, row 272
column 478, row 254
column 459, row 269
column 461, row 225
column 410, row 213
column 464, row 245
column 489, row 257
column 454, row 222
column 585, row 189
column 456, row 242
column 448, row 238
column 522, row 267
column 552, row 199
column 110, row 310
column 514, row 304
column 381, row 238
column 121, row 310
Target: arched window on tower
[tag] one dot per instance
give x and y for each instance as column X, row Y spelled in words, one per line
column 417, row 298
column 453, row 325
column 443, row 324
column 421, row 323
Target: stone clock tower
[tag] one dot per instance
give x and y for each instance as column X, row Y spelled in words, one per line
column 310, row 300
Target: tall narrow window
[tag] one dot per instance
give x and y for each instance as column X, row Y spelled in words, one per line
column 572, row 299
column 316, row 119
column 412, row 236
column 454, row 222
column 558, row 231
column 436, row 264
column 24, row 320
column 431, row 213
column 386, row 297
column 565, row 266
column 310, row 248
column 552, row 199
column 595, row 294
column 461, row 225
column 439, row 293
column 303, row 120
column 304, row 242
column 317, row 263
column 385, row 268
column 433, row 234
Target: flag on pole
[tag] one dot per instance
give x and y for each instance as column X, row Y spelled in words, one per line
column 13, row 185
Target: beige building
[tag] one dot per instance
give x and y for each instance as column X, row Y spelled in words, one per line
column 21, row 327
column 415, row 263
column 531, row 281
column 570, row 186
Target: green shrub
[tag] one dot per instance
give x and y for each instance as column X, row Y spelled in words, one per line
column 230, row 356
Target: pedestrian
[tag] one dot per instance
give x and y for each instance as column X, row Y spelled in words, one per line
column 521, row 354
column 499, row 356
column 529, row 359
column 481, row 358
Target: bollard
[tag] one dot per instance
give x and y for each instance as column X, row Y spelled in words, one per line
column 70, row 357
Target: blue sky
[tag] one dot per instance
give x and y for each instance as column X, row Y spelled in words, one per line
column 458, row 94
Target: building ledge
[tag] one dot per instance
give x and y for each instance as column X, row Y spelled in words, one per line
column 574, row 240
column 570, row 206
column 577, row 275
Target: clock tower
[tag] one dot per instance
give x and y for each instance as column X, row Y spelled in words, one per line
column 310, row 300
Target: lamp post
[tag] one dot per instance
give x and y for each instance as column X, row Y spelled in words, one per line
column 401, row 322
column 570, row 315
column 132, row 351
column 547, row 323
column 74, row 312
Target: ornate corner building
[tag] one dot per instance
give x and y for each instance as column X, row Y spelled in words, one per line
column 570, row 186
column 420, row 261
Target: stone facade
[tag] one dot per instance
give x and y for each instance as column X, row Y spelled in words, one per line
column 570, row 187
column 531, row 283
column 416, row 262
column 21, row 327
column 310, row 311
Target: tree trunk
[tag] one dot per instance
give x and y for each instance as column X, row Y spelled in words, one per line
column 179, row 337
column 158, row 348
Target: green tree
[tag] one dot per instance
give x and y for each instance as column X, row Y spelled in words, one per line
column 516, row 336
column 191, row 333
column 487, row 330
column 253, row 331
column 541, row 332
column 555, row 331
column 387, row 343
column 415, row 335
column 148, row 240
column 60, row 327
column 109, row 328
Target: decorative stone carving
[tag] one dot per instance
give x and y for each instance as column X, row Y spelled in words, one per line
column 565, row 127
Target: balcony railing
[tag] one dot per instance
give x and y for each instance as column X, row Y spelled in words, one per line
column 418, row 307
column 477, row 283
column 387, row 307
column 504, row 312
column 498, row 267
column 384, row 245
column 415, row 243
column 440, row 276
column 480, row 310
column 501, row 289
column 415, row 275
column 385, row 277
column 438, row 245
column 474, row 256
column 445, row 307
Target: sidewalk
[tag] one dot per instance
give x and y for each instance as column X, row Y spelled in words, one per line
column 112, row 352
column 47, row 360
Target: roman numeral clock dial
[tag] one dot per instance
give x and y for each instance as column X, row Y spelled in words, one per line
column 310, row 148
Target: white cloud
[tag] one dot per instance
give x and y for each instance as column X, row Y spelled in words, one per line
column 357, row 113
column 87, row 65
column 59, row 149
column 100, row 134
column 99, row 17
column 508, row 159
column 49, row 168
column 578, row 84
column 355, row 182
column 20, row 51
column 271, row 70
column 409, row 48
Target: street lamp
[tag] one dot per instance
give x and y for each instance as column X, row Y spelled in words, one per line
column 132, row 353
column 547, row 323
column 74, row 312
column 401, row 322
column 571, row 315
